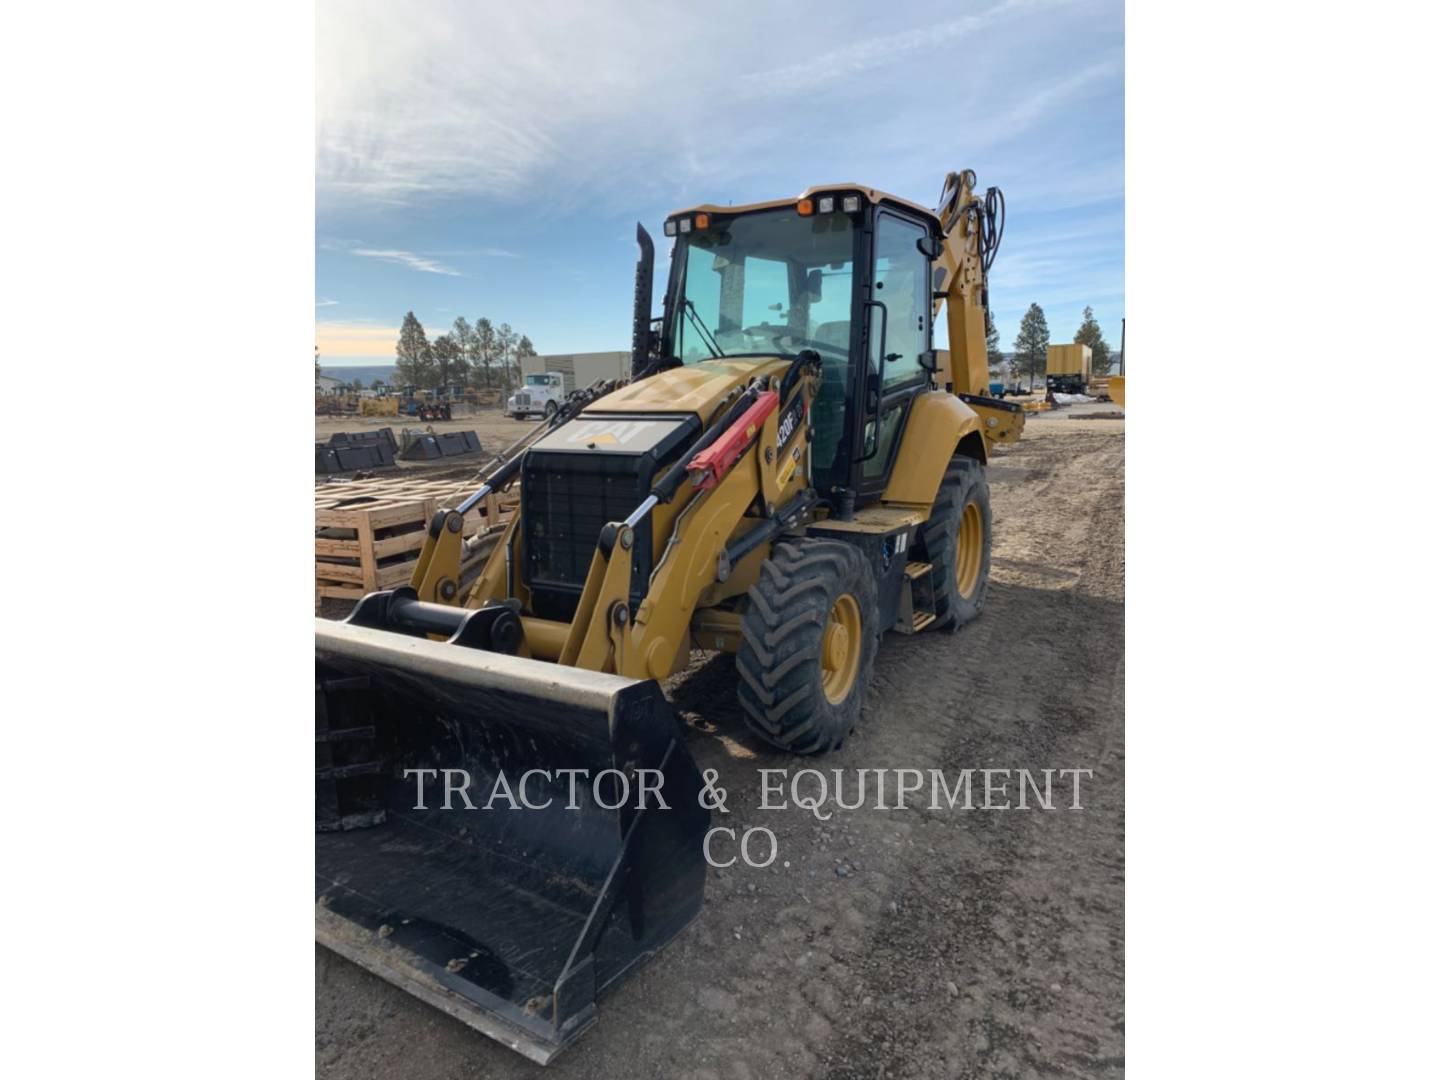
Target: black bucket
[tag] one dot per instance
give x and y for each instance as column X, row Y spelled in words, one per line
column 512, row 920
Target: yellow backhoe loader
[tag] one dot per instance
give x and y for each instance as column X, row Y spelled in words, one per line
column 792, row 471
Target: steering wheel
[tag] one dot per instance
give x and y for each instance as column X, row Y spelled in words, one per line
column 812, row 343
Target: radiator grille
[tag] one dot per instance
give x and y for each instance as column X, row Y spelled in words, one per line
column 567, row 501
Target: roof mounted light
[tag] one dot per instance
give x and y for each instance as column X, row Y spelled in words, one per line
column 702, row 221
column 851, row 204
column 670, row 227
column 827, row 204
column 685, row 225
column 805, row 208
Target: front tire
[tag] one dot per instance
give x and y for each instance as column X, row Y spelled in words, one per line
column 956, row 541
column 809, row 644
column 550, row 409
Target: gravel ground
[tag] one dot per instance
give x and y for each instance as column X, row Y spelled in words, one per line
column 903, row 943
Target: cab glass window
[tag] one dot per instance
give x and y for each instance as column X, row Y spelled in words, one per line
column 902, row 285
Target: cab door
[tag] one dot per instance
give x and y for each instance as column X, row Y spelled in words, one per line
column 897, row 340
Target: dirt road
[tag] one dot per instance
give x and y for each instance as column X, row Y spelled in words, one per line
column 899, row 943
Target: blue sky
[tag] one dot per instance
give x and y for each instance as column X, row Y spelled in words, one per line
column 492, row 159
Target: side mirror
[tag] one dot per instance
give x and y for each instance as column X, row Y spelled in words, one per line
column 930, row 247
column 812, row 285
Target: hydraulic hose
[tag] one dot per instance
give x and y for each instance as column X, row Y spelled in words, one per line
column 665, row 489
column 992, row 227
column 497, row 479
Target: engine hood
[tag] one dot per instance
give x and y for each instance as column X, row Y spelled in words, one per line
column 694, row 388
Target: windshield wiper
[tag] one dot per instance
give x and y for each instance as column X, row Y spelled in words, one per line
column 704, row 331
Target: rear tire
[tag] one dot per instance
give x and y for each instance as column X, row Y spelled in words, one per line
column 956, row 540
column 809, row 644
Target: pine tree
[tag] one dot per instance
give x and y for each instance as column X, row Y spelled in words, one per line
column 1089, row 334
column 464, row 336
column 484, row 348
column 994, row 358
column 412, row 353
column 445, row 352
column 505, row 349
column 1031, row 343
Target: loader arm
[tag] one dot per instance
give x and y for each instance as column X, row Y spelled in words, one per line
column 659, row 634
column 715, row 484
column 436, row 577
column 724, row 475
column 972, row 230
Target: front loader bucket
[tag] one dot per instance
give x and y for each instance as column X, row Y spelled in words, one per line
column 512, row 920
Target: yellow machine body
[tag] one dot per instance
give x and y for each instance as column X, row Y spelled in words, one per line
column 683, row 510
column 685, row 604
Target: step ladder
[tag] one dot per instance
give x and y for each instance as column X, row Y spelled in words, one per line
column 917, row 599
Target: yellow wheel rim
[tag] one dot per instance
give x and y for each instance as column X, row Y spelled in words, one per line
column 969, row 543
column 840, row 650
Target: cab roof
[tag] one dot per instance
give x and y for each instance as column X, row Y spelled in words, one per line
column 873, row 194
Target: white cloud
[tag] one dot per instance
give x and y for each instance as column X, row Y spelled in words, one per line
column 557, row 104
column 876, row 51
column 487, row 252
column 501, row 114
column 321, row 301
column 407, row 258
column 1023, row 114
column 450, row 96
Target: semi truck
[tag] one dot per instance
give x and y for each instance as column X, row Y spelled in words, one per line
column 541, row 395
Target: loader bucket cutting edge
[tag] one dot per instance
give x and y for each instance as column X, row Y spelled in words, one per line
column 512, row 921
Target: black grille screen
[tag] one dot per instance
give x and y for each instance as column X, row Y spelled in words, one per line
column 568, row 499
column 590, row 472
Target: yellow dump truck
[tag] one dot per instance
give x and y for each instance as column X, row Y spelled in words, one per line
column 1067, row 369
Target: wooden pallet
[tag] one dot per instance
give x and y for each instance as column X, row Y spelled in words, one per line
column 339, row 493
column 368, row 533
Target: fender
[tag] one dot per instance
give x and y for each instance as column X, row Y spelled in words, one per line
column 933, row 432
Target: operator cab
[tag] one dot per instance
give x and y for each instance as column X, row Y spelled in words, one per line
column 846, row 273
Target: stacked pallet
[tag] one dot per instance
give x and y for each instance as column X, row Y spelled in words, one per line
column 368, row 533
